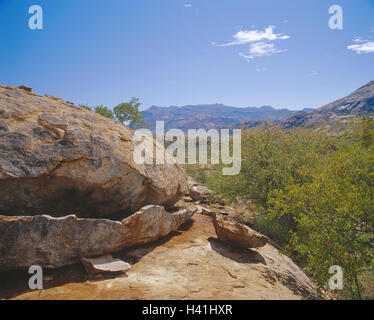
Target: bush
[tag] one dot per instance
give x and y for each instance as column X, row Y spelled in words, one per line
column 333, row 215
column 270, row 158
column 315, row 195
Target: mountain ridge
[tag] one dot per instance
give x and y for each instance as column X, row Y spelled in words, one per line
column 217, row 116
column 358, row 103
column 209, row 116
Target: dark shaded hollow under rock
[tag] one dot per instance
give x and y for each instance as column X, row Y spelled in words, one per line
column 59, row 197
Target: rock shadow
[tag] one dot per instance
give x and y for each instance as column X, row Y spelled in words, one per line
column 15, row 283
column 187, row 225
column 134, row 254
column 237, row 254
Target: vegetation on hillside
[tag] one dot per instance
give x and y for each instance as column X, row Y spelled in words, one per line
column 314, row 194
column 127, row 113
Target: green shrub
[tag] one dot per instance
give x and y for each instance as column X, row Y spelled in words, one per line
column 314, row 194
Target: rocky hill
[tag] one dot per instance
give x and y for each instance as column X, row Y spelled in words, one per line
column 74, row 202
column 210, row 116
column 359, row 103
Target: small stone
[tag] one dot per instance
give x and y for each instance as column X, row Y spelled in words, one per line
column 198, row 193
column 25, row 88
column 237, row 234
column 203, row 211
column 104, row 264
column 187, row 199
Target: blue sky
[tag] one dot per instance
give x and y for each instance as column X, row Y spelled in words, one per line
column 177, row 52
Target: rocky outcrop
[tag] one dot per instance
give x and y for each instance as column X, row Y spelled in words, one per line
column 52, row 242
column 237, row 234
column 57, row 159
column 188, row 264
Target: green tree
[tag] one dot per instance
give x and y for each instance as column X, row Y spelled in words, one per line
column 85, row 106
column 128, row 113
column 104, row 111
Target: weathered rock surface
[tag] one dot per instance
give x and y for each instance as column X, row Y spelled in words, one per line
column 104, row 264
column 52, row 242
column 188, row 264
column 237, row 234
column 56, row 159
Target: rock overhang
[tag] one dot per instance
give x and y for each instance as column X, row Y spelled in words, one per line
column 53, row 242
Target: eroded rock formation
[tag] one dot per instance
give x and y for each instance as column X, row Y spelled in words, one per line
column 55, row 242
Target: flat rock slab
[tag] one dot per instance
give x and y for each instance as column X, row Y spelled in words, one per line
column 104, row 264
column 56, row 242
column 237, row 234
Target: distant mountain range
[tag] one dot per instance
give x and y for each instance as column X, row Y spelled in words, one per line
column 211, row 116
column 358, row 103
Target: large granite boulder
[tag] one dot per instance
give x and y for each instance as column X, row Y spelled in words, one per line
column 52, row 242
column 57, row 159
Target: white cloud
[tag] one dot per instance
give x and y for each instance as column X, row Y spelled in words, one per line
column 188, row 5
column 250, row 36
column 260, row 49
column 362, row 46
column 260, row 42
